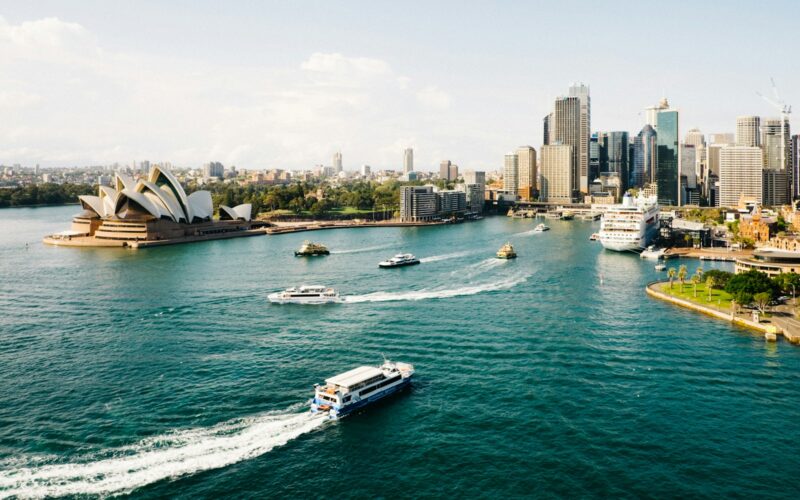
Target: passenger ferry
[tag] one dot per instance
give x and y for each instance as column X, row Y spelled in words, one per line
column 359, row 387
column 541, row 228
column 310, row 248
column 399, row 260
column 506, row 252
column 313, row 294
column 631, row 225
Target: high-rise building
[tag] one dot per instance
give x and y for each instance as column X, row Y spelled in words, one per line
column 567, row 131
column 526, row 172
column 796, row 166
column 213, row 169
column 452, row 173
column 739, row 174
column 337, row 162
column 408, row 160
column 644, row 158
column 694, row 137
column 547, row 126
column 721, row 138
column 473, row 177
column 581, row 91
column 365, row 170
column 557, row 170
column 748, row 131
column 594, row 157
column 475, row 195
column 444, row 169
column 668, row 157
column 418, row 203
column 614, row 159
column 690, row 195
column 511, row 173
column 776, row 146
column 651, row 113
column 452, row 202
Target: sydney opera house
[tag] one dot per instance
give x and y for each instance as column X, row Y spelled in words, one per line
column 152, row 212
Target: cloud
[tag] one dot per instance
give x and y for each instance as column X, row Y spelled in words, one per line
column 433, row 97
column 68, row 100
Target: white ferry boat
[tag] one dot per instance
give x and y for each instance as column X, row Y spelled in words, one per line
column 401, row 259
column 653, row 253
column 541, row 228
column 313, row 294
column 359, row 387
column 631, row 225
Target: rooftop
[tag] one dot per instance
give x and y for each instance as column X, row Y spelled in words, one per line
column 354, row 376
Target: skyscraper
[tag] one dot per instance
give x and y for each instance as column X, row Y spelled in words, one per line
column 444, row 170
column 668, row 157
column 594, row 157
column 408, row 160
column 722, row 138
column 547, row 126
column 213, row 169
column 581, row 91
column 651, row 113
column 557, row 169
column 748, row 131
column 739, row 174
column 511, row 173
column 776, row 147
column 526, row 172
column 337, row 162
column 615, row 157
column 796, row 166
column 567, row 131
column 644, row 158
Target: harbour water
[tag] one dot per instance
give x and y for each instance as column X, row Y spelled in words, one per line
column 164, row 372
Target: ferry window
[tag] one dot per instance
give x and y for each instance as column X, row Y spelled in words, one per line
column 346, row 399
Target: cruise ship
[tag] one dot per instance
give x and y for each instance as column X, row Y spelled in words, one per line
column 631, row 225
column 313, row 294
column 359, row 387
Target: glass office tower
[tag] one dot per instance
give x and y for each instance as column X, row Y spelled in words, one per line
column 667, row 159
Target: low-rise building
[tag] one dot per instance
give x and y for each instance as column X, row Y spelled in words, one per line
column 756, row 227
column 771, row 261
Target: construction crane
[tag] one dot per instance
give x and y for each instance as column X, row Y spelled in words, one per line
column 785, row 110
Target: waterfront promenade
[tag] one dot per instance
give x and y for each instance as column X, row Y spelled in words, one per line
column 780, row 321
column 299, row 226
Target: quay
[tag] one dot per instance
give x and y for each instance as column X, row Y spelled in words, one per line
column 781, row 322
column 300, row 226
column 720, row 255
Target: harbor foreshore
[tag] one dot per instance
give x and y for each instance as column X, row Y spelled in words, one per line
column 770, row 329
column 295, row 227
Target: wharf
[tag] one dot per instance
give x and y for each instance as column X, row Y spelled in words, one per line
column 296, row 227
column 722, row 255
column 781, row 322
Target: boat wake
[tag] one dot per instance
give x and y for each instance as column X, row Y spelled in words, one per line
column 360, row 250
column 446, row 256
column 167, row 456
column 437, row 293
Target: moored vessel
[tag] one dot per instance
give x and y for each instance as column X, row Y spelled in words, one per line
column 631, row 225
column 399, row 260
column 309, row 248
column 359, row 387
column 306, row 294
column 506, row 252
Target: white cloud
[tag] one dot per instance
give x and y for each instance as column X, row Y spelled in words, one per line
column 434, row 97
column 67, row 100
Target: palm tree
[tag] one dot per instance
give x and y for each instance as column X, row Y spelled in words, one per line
column 695, row 280
column 671, row 274
column 710, row 284
column 682, row 272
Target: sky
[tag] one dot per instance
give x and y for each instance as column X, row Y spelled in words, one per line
column 286, row 84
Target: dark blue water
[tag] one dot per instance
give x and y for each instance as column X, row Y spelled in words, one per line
column 164, row 372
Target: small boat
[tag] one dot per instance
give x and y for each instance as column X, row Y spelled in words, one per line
column 506, row 252
column 313, row 294
column 594, row 237
column 541, row 228
column 399, row 260
column 310, row 248
column 661, row 267
column 652, row 253
column 359, row 387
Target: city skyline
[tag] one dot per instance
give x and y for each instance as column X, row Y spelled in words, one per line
column 286, row 93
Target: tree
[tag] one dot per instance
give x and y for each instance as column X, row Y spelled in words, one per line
column 762, row 301
column 671, row 274
column 742, row 298
column 720, row 277
column 695, row 280
column 711, row 282
column 688, row 239
column 682, row 272
column 751, row 282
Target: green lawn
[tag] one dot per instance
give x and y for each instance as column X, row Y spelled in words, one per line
column 719, row 298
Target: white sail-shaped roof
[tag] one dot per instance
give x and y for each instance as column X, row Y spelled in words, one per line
column 242, row 212
column 122, row 181
column 164, row 178
column 166, row 199
column 93, row 203
column 200, row 205
column 140, row 199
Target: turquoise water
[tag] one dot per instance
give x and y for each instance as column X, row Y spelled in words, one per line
column 164, row 372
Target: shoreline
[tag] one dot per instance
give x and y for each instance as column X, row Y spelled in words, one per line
column 770, row 330
column 298, row 227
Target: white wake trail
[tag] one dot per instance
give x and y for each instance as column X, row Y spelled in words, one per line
column 436, row 294
column 161, row 457
column 446, row 256
column 360, row 250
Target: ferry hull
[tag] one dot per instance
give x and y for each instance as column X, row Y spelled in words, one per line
column 277, row 299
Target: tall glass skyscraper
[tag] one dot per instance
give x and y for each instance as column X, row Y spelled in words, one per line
column 667, row 158
column 644, row 157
